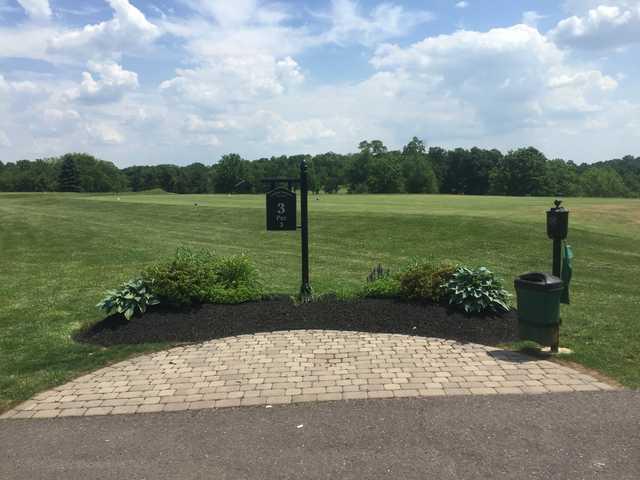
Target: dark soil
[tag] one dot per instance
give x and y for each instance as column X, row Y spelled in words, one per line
column 368, row 315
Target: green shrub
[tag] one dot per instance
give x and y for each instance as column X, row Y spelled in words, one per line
column 132, row 297
column 193, row 277
column 423, row 280
column 381, row 284
column 476, row 291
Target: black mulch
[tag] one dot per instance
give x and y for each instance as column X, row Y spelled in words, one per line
column 368, row 315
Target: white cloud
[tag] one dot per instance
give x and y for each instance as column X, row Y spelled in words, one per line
column 385, row 21
column 53, row 122
column 239, row 84
column 25, row 41
column 196, row 124
column 592, row 79
column 233, row 79
column 531, row 18
column 462, row 4
column 112, row 83
column 36, row 9
column 227, row 14
column 22, row 92
column 127, row 30
column 281, row 131
column 509, row 78
column 105, row 133
column 605, row 26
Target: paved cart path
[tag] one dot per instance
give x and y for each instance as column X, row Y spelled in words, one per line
column 564, row 436
column 302, row 366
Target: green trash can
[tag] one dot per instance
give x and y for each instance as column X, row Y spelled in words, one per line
column 539, row 296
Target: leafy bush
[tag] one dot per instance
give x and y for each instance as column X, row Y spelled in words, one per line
column 193, row 277
column 476, row 291
column 423, row 280
column 132, row 297
column 381, row 284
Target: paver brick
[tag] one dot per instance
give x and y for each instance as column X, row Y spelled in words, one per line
column 301, row 366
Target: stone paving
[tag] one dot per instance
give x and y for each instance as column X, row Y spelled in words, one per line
column 302, row 366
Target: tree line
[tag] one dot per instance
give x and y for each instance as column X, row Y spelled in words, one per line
column 373, row 169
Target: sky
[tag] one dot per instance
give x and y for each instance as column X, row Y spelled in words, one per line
column 160, row 81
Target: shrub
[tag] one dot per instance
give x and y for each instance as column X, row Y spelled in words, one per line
column 381, row 284
column 476, row 291
column 423, row 280
column 132, row 297
column 193, row 277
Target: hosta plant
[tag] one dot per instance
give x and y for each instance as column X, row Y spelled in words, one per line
column 130, row 298
column 476, row 291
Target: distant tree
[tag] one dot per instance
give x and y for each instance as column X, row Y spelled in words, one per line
column 414, row 147
column 358, row 169
column 417, row 171
column 168, row 176
column 331, row 185
column 419, row 176
column 561, row 179
column 438, row 159
column 603, row 182
column 374, row 168
column 375, row 147
column 520, row 172
column 229, row 171
column 69, row 178
column 196, row 177
column 330, row 170
column 628, row 168
column 384, row 175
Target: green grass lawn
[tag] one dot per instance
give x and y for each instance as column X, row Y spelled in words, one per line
column 60, row 252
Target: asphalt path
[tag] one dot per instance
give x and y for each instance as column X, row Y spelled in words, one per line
column 552, row 436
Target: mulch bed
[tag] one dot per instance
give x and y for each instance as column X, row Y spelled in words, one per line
column 368, row 315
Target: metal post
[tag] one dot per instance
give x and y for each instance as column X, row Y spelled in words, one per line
column 305, row 287
column 557, row 270
column 557, row 257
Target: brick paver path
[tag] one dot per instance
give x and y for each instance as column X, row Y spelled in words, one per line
column 302, row 366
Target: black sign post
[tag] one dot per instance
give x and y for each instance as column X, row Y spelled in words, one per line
column 281, row 216
column 305, row 288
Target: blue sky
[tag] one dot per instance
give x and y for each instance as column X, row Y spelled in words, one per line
column 160, row 81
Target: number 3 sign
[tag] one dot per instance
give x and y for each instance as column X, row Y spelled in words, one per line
column 281, row 209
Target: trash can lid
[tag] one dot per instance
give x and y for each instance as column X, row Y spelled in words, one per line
column 538, row 281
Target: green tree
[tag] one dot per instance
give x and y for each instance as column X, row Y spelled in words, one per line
column 414, row 147
column 331, row 185
column 358, row 170
column 69, row 178
column 603, row 182
column 374, row 147
column 196, row 177
column 561, row 179
column 520, row 172
column 419, row 176
column 229, row 172
column 417, row 172
column 384, row 175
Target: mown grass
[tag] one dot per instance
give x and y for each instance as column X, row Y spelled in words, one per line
column 60, row 252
